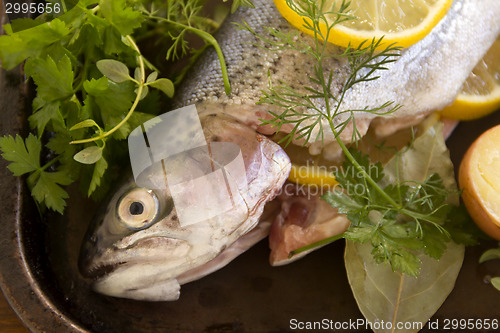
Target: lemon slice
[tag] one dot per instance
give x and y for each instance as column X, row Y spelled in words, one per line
column 312, row 175
column 401, row 22
column 480, row 94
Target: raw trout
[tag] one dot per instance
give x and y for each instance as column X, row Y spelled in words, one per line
column 152, row 262
column 426, row 77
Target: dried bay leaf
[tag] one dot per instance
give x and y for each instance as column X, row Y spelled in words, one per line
column 391, row 297
column 428, row 154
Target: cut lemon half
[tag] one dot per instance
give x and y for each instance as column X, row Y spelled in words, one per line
column 479, row 179
column 480, row 94
column 400, row 22
column 312, row 175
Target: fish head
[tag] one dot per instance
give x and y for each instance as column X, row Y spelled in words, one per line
column 132, row 240
column 146, row 240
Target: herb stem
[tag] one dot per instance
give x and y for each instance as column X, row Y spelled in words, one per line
column 343, row 146
column 320, row 51
column 210, row 22
column 49, row 163
column 95, row 9
column 315, row 245
column 419, row 216
column 210, row 40
column 360, row 168
column 134, row 105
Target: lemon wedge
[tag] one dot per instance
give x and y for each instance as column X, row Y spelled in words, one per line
column 480, row 94
column 312, row 175
column 400, row 22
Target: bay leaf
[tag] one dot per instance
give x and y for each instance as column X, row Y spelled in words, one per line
column 392, row 297
column 388, row 298
column 427, row 155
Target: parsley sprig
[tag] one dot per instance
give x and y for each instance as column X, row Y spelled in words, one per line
column 93, row 86
column 398, row 218
column 25, row 156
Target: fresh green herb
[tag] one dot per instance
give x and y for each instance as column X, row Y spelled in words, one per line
column 93, row 85
column 182, row 17
column 398, row 218
column 238, row 3
column 492, row 254
column 25, row 157
column 404, row 217
column 310, row 112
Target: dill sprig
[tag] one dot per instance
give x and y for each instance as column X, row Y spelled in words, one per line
column 398, row 219
column 177, row 19
column 310, row 110
column 238, row 3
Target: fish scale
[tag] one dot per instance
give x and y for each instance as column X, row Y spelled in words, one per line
column 248, row 62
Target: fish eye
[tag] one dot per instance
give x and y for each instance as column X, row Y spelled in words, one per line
column 138, row 208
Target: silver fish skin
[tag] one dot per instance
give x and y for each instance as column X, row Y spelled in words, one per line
column 151, row 263
column 426, row 77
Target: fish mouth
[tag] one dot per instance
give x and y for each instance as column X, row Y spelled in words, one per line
column 96, row 265
column 120, row 280
column 130, row 282
column 87, row 261
column 98, row 272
